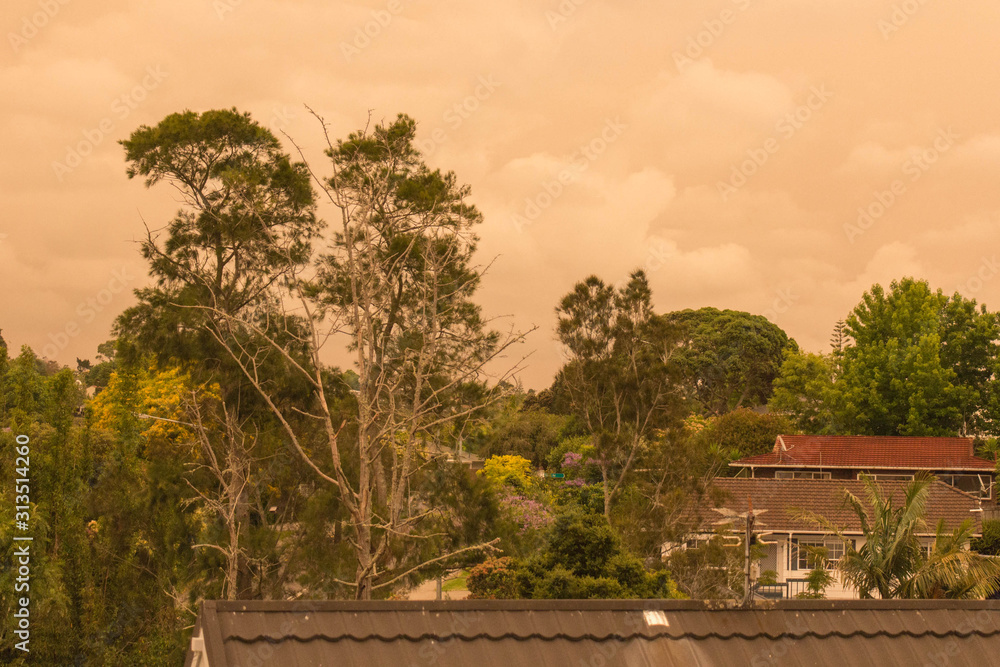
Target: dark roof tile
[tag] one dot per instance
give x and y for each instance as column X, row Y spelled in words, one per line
column 785, row 499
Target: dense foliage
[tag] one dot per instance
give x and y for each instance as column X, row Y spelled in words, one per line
column 907, row 361
column 581, row 557
column 729, row 359
column 212, row 451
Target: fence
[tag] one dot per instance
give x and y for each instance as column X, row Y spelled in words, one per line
column 789, row 589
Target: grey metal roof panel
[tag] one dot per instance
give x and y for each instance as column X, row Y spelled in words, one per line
column 834, row 651
column 640, row 633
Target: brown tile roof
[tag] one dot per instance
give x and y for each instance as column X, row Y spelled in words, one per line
column 785, row 498
column 640, row 633
column 863, row 451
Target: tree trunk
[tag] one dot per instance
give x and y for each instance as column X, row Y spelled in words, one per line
column 364, row 575
column 607, row 492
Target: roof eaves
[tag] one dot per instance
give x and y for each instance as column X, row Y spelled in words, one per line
column 212, row 633
column 738, row 464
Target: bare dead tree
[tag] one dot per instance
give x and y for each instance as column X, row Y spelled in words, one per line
column 226, row 452
column 396, row 283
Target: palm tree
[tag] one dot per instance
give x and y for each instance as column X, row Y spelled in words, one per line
column 891, row 563
column 952, row 571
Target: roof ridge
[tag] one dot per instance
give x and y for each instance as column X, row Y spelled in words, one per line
column 637, row 605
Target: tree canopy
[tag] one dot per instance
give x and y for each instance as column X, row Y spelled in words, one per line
column 728, row 359
column 907, row 361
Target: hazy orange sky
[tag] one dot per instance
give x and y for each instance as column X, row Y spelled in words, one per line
column 727, row 146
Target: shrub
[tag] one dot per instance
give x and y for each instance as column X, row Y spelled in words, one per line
column 494, row 579
column 507, row 471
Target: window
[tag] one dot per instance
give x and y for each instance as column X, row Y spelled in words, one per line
column 834, row 552
column 974, row 485
column 801, row 474
column 889, row 478
column 925, row 550
column 801, row 556
column 697, row 543
column 804, row 554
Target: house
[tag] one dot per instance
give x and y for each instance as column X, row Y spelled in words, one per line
column 779, row 504
column 639, row 633
column 885, row 458
column 459, row 456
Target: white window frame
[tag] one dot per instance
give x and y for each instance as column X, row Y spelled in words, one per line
column 888, row 477
column 798, row 558
column 801, row 474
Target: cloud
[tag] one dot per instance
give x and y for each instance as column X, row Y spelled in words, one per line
column 651, row 195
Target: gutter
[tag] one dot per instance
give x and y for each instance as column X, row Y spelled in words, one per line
column 737, row 464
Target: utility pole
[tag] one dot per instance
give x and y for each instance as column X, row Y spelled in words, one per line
column 748, row 521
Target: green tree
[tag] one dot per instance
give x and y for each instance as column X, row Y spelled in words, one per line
column 248, row 220
column 4, row 368
column 582, row 558
column 907, row 361
column 619, row 380
column 247, row 224
column 920, row 363
column 25, row 391
column 989, row 543
column 494, row 579
column 744, row 432
column 520, row 428
column 804, row 391
column 729, row 359
column 819, row 577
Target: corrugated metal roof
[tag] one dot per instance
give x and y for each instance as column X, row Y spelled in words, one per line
column 870, row 452
column 785, row 499
column 637, row 633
